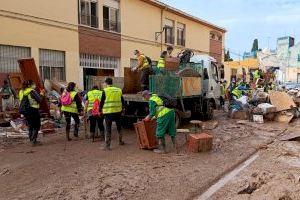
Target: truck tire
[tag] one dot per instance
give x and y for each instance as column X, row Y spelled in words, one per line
column 209, row 111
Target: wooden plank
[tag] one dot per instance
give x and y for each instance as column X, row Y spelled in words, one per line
column 281, row 100
column 30, row 72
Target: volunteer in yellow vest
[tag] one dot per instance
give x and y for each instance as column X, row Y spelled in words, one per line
column 111, row 106
column 33, row 115
column 165, row 118
column 145, row 68
column 160, row 68
column 91, row 97
column 73, row 110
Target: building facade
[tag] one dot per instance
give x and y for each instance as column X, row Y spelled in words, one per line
column 44, row 31
column 86, row 38
column 289, row 53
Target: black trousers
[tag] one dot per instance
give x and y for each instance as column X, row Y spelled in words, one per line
column 145, row 78
column 34, row 124
column 75, row 116
column 109, row 119
column 96, row 120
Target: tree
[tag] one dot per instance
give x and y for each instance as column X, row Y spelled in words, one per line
column 227, row 56
column 255, row 46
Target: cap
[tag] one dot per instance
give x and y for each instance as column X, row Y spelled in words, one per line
column 145, row 92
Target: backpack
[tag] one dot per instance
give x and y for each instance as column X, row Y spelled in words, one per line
column 24, row 105
column 66, row 99
column 96, row 107
column 169, row 101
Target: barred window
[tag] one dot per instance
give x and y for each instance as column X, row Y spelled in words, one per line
column 52, row 64
column 9, row 56
column 99, row 62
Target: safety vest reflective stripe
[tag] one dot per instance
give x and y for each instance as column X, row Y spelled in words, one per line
column 92, row 96
column 160, row 110
column 146, row 63
column 33, row 103
column 161, row 63
column 113, row 102
column 236, row 92
column 73, row 107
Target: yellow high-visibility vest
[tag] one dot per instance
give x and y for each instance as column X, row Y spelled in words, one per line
column 146, row 63
column 160, row 109
column 32, row 101
column 92, row 96
column 161, row 63
column 113, row 102
column 72, row 108
column 236, row 92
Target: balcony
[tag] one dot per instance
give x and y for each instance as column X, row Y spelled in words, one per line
column 89, row 20
column 110, row 25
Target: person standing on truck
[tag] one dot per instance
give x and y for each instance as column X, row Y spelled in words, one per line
column 170, row 51
column 111, row 106
column 71, row 107
column 165, row 118
column 160, row 68
column 32, row 114
column 143, row 66
column 92, row 108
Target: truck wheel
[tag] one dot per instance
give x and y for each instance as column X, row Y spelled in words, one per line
column 210, row 111
column 177, row 119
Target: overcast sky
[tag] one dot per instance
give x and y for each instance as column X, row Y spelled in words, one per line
column 246, row 20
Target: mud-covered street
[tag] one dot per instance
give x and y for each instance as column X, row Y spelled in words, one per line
column 81, row 170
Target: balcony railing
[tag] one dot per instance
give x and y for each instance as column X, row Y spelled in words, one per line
column 110, row 25
column 89, row 20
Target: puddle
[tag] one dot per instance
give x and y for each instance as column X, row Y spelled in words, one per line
column 214, row 188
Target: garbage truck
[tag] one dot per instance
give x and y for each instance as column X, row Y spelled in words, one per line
column 195, row 88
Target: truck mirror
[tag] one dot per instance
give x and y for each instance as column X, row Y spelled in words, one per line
column 205, row 74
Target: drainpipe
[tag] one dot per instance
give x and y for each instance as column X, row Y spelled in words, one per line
column 161, row 27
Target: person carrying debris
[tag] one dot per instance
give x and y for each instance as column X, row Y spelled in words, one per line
column 92, row 107
column 71, row 107
column 160, row 68
column 30, row 103
column 111, row 106
column 8, row 95
column 143, row 66
column 165, row 118
column 223, row 93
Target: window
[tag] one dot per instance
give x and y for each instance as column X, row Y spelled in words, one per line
column 99, row 62
column 220, row 38
column 298, row 57
column 212, row 36
column 169, row 31
column 180, row 34
column 9, row 56
column 233, row 72
column 88, row 13
column 111, row 20
column 52, row 65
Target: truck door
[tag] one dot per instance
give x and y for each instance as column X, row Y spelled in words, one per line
column 214, row 86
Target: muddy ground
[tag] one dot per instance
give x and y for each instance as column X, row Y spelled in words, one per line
column 81, row 170
column 274, row 175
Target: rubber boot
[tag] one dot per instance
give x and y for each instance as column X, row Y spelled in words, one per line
column 161, row 146
column 76, row 130
column 106, row 146
column 174, row 142
column 102, row 136
column 121, row 142
column 68, row 135
column 93, row 136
